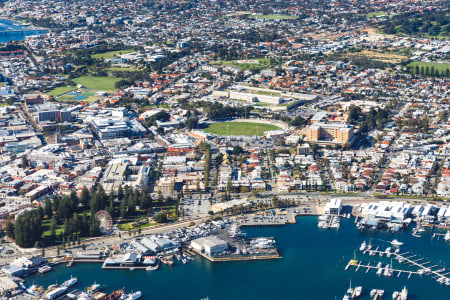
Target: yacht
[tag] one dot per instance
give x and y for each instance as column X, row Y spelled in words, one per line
column 381, row 293
column 350, row 289
column 358, row 291
column 396, row 243
column 388, row 271
column 404, row 294
column 68, row 283
column 346, row 297
column 395, row 295
column 380, row 270
column 44, row 269
column 447, row 236
column 35, row 290
column 373, row 292
column 132, row 296
column 363, row 246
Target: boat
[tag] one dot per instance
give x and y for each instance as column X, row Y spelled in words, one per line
column 380, row 270
column 94, row 288
column 346, row 297
column 395, row 295
column 115, row 295
column 358, row 291
column 363, row 246
column 380, row 293
column 70, row 282
column 388, row 270
column 404, row 294
column 350, row 289
column 44, row 269
column 373, row 292
column 447, row 236
column 132, row 296
column 56, row 293
column 388, row 252
column 35, row 290
column 396, row 243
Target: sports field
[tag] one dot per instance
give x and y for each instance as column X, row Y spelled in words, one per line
column 111, row 54
column 239, row 128
column 97, row 83
column 61, row 90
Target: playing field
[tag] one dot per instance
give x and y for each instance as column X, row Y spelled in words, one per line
column 97, row 83
column 239, row 128
column 111, row 54
column 442, row 67
column 61, row 90
column 275, row 17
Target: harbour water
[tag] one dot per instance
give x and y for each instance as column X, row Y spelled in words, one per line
column 312, row 267
column 12, row 31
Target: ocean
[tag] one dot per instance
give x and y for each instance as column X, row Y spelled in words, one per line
column 12, row 31
column 312, row 267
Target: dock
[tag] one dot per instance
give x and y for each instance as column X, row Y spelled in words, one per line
column 406, row 258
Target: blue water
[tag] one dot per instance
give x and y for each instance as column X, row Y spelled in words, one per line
column 312, row 267
column 8, row 31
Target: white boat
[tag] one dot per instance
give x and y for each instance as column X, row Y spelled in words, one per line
column 358, row 291
column 94, row 288
column 380, row 270
column 55, row 293
column 396, row 243
column 363, row 246
column 44, row 269
column 71, row 282
column 404, row 294
column 35, row 290
column 350, row 289
column 447, row 236
column 395, row 295
column 132, row 296
column 373, row 292
column 346, row 297
column 380, row 293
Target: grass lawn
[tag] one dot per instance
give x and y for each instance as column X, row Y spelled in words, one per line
column 126, row 226
column 239, row 128
column 61, row 90
column 437, row 66
column 275, row 17
column 121, row 69
column 46, row 228
column 111, row 54
column 257, row 63
column 376, row 14
column 97, row 83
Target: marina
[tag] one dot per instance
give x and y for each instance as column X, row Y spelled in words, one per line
column 297, row 243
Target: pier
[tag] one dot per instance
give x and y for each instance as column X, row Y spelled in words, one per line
column 424, row 268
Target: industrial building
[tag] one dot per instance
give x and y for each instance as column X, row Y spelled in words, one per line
column 210, row 245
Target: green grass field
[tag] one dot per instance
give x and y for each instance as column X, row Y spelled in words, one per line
column 97, row 83
column 275, row 17
column 239, row 128
column 262, row 63
column 437, row 66
column 121, row 69
column 111, row 54
column 61, row 90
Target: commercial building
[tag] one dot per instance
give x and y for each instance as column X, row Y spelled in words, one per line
column 209, row 245
column 335, row 133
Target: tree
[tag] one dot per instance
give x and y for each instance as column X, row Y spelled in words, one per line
column 191, row 123
column 85, row 196
column 24, row 162
column 10, row 229
column 237, row 150
column 160, row 217
column 48, row 208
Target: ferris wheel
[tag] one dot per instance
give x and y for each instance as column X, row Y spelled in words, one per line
column 104, row 221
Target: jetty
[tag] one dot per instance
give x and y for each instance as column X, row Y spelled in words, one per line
column 424, row 267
